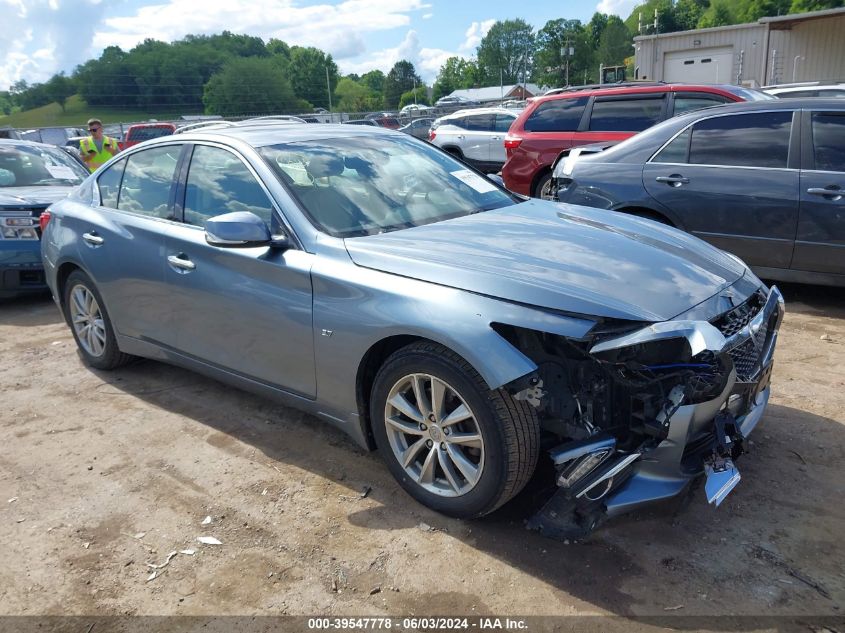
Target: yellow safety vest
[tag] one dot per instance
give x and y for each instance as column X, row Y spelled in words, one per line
column 87, row 144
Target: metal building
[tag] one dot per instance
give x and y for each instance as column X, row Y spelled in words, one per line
column 783, row 49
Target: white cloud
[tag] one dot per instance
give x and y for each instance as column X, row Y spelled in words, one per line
column 41, row 37
column 427, row 61
column 427, row 16
column 622, row 8
column 338, row 29
column 475, row 33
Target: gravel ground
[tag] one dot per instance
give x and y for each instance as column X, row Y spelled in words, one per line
column 105, row 473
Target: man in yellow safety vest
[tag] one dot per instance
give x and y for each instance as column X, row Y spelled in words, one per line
column 97, row 149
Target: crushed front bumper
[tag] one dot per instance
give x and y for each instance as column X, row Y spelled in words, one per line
column 696, row 432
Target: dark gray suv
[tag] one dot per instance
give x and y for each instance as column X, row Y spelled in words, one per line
column 764, row 180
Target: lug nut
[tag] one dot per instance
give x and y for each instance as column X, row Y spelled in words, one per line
column 429, row 443
column 431, row 417
column 423, row 427
column 442, row 446
column 446, row 431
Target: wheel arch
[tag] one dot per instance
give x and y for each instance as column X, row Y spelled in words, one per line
column 651, row 214
column 63, row 271
column 539, row 175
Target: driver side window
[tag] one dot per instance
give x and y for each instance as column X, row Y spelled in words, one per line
column 218, row 183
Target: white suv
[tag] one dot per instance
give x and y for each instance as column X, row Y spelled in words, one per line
column 475, row 136
column 807, row 89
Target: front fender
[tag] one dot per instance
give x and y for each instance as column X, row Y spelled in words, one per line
column 355, row 308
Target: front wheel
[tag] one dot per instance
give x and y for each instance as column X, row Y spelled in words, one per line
column 90, row 323
column 452, row 443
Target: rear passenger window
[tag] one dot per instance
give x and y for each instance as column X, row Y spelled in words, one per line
column 676, row 151
column 109, row 184
column 218, row 182
column 829, row 141
column 625, row 115
column 480, row 123
column 557, row 115
column 147, row 181
column 759, row 139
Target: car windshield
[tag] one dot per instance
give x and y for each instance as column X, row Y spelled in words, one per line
column 26, row 166
column 364, row 185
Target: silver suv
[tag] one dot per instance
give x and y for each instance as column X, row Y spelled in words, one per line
column 475, row 136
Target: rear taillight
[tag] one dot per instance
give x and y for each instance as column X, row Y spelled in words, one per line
column 44, row 219
column 512, row 142
column 431, row 135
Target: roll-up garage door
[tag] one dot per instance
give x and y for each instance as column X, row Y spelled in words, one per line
column 707, row 66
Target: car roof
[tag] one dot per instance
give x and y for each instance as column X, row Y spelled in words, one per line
column 627, row 88
column 269, row 134
column 798, row 103
column 22, row 143
column 803, row 88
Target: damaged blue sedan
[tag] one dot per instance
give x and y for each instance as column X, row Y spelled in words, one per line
column 464, row 332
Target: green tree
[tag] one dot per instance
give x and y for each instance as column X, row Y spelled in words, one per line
column 308, row 67
column 354, row 96
column 803, row 6
column 615, row 42
column 553, row 43
column 506, row 52
column 719, row 14
column 59, row 88
column 753, row 10
column 596, row 28
column 419, row 96
column 278, row 47
column 666, row 17
column 401, row 78
column 454, row 74
column 688, row 13
column 374, row 80
column 249, row 85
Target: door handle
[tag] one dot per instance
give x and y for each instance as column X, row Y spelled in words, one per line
column 93, row 239
column 461, row 136
column 181, row 262
column 496, row 138
column 832, row 193
column 675, row 180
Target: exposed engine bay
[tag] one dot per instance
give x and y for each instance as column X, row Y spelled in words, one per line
column 634, row 414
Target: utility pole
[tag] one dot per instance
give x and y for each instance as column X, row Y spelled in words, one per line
column 329, row 88
column 414, row 79
column 567, row 52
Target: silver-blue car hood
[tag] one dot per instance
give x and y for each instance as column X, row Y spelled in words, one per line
column 558, row 256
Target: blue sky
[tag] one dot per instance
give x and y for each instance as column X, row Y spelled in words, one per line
column 41, row 37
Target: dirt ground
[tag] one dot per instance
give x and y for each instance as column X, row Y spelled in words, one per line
column 103, row 473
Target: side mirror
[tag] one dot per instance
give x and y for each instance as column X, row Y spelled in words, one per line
column 238, row 229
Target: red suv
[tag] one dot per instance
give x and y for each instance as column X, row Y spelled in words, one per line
column 144, row 132
column 593, row 114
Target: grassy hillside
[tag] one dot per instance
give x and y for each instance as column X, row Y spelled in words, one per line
column 77, row 113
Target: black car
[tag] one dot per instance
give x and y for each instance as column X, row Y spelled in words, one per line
column 763, row 180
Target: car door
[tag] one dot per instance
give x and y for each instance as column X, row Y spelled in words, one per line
column 733, row 180
column 247, row 310
column 616, row 117
column 475, row 143
column 123, row 239
column 820, row 242
column 501, row 125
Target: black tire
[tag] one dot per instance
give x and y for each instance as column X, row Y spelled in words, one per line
column 111, row 356
column 454, row 151
column 545, row 181
column 509, row 428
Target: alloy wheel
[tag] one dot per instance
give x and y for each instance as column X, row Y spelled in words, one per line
column 434, row 435
column 87, row 321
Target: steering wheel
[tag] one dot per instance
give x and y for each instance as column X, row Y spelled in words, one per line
column 416, row 187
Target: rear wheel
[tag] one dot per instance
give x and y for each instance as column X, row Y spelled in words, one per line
column 543, row 187
column 452, row 443
column 454, row 151
column 90, row 323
